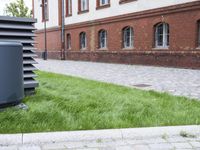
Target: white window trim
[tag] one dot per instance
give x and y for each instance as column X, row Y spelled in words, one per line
column 165, row 34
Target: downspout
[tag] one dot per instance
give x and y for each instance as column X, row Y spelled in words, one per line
column 63, row 31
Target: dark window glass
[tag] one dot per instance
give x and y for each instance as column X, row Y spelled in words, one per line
column 83, row 40
column 68, row 41
column 102, row 39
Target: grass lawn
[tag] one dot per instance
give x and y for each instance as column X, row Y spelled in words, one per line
column 67, row 103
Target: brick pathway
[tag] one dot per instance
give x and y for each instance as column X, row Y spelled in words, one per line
column 184, row 82
column 172, row 143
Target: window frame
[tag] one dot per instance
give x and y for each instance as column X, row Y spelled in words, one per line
column 126, row 1
column 165, row 36
column 101, row 3
column 69, row 41
column 101, row 6
column 131, row 37
column 80, row 8
column 81, row 40
column 198, row 34
column 105, row 38
column 68, row 8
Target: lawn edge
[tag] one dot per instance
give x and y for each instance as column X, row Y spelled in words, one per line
column 88, row 135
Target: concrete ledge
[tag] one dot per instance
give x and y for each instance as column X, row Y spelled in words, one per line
column 159, row 131
column 75, row 136
column 13, row 139
column 71, row 136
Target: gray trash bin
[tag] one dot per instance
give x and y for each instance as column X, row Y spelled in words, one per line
column 11, row 73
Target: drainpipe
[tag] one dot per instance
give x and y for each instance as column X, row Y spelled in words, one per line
column 63, row 31
column 45, row 53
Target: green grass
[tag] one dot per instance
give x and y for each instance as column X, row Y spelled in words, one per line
column 65, row 103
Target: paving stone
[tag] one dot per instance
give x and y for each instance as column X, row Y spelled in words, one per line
column 191, row 139
column 135, row 142
column 185, row 149
column 124, row 148
column 181, row 145
column 24, row 147
column 161, row 146
column 195, row 144
column 176, row 139
column 114, row 143
column 71, row 145
column 155, row 140
column 140, row 147
column 8, row 148
column 54, row 146
column 107, row 148
column 87, row 149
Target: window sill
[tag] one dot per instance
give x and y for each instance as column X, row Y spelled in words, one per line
column 161, row 48
column 128, row 48
column 126, row 1
column 83, row 49
column 84, row 11
column 102, row 49
column 43, row 20
column 198, row 48
column 103, row 6
column 69, row 15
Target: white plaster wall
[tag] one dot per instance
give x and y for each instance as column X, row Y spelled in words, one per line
column 53, row 14
column 117, row 9
column 93, row 14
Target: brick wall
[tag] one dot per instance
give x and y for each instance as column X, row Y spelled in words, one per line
column 53, row 40
column 182, row 51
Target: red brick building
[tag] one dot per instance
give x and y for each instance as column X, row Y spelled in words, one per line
column 147, row 32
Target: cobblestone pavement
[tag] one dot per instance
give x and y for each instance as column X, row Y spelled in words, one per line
column 152, row 138
column 153, row 143
column 182, row 82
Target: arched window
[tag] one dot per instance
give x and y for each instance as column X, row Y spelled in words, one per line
column 199, row 33
column 68, row 41
column 102, row 39
column 83, row 40
column 128, row 37
column 162, row 35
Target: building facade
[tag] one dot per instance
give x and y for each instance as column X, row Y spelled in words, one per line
column 147, row 32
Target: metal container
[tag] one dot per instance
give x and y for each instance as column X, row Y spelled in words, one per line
column 11, row 73
column 15, row 29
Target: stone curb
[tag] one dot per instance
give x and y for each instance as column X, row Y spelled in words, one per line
column 73, row 136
